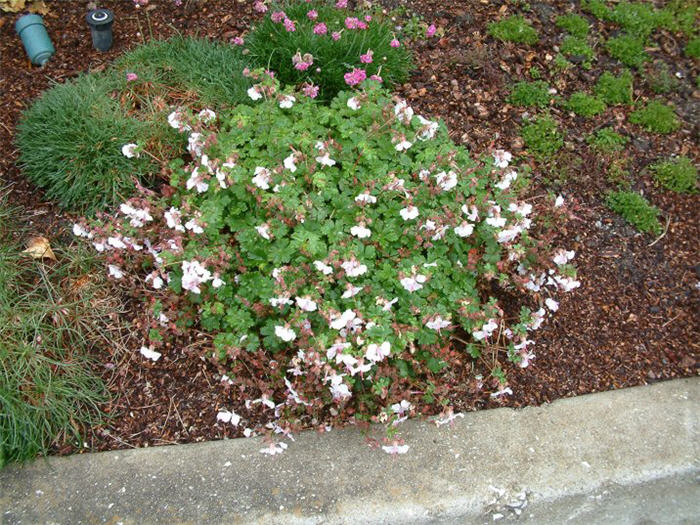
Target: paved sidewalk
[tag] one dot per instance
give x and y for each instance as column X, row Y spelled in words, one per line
column 623, row 457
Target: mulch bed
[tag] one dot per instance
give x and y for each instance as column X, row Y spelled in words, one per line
column 633, row 321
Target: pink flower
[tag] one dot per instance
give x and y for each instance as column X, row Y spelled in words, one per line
column 355, row 77
column 301, row 66
column 289, row 25
column 130, row 77
column 310, row 90
column 352, row 22
column 367, row 57
column 260, row 7
column 238, row 41
column 341, row 4
column 278, row 16
column 377, row 78
column 313, row 14
column 320, row 29
column 394, row 43
column 431, row 30
column 335, row 36
column 368, row 18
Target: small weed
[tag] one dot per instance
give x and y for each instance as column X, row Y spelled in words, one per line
column 597, row 8
column 628, row 49
column 584, row 104
column 679, row 174
column 542, row 137
column 693, row 48
column 530, row 94
column 615, row 90
column 535, row 73
column 607, row 141
column 617, row 173
column 656, row 117
column 561, row 63
column 577, row 50
column 573, row 24
column 636, row 210
column 659, row 78
column 513, row 29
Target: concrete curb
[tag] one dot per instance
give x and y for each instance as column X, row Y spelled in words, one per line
column 627, row 456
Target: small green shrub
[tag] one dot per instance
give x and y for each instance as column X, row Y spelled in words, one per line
column 680, row 16
column 656, row 117
column 48, row 327
column 615, row 90
column 577, row 50
column 659, row 78
column 573, row 24
column 636, row 210
column 693, row 48
column 628, row 49
column 637, row 19
column 584, row 104
column 597, row 8
column 542, row 137
column 607, row 141
column 273, row 47
column 513, row 29
column 530, row 94
column 679, row 174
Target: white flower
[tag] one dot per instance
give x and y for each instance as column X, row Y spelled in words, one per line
column 428, row 130
column 289, row 163
column 413, row 283
column 195, row 144
column 115, row 271
column 79, row 231
column 138, row 217
column 502, row 391
column 194, row 227
column 325, row 159
column 254, row 94
column 537, row 319
column 403, row 145
column 377, row 353
column 496, row 222
column 273, row 448
column 262, row 178
column 402, row 407
column 150, row 354
column 366, row 198
column 287, row 101
column 352, row 291
column 228, row 417
column 437, row 323
column 248, row 432
column 221, row 177
column 217, row 282
column 388, row 304
column 360, row 231
column 116, row 242
column 341, row 321
column 353, row 268
column 403, row 112
column 175, row 121
column 285, row 333
column 207, row 116
column 172, row 219
column 354, row 103
column 439, row 233
column 323, row 267
column 505, row 182
column 566, row 283
column 472, row 212
column 409, row 212
column 563, row 256
column 157, row 280
column 501, row 158
column 486, row 330
column 197, row 181
column 446, row 181
column 559, row 201
column 395, row 449
column 551, row 304
column 130, row 151
column 306, row 304
column 508, row 234
column 194, row 274
column 523, row 209
column 281, row 300
column 264, row 231
column 465, row 229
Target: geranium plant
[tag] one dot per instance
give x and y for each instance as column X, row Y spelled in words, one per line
column 351, row 244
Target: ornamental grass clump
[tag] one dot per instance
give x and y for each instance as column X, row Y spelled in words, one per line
column 353, row 249
column 327, row 47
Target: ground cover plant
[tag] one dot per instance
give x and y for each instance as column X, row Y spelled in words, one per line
column 542, row 136
column 603, row 336
column 656, row 116
column 514, row 29
column 584, row 104
column 530, row 94
column 679, row 174
column 636, row 210
column 327, row 47
column 350, row 243
column 50, row 313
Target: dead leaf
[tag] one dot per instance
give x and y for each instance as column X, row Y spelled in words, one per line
column 39, row 248
column 39, row 6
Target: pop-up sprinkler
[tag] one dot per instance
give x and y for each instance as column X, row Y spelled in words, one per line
column 100, row 22
column 35, row 39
